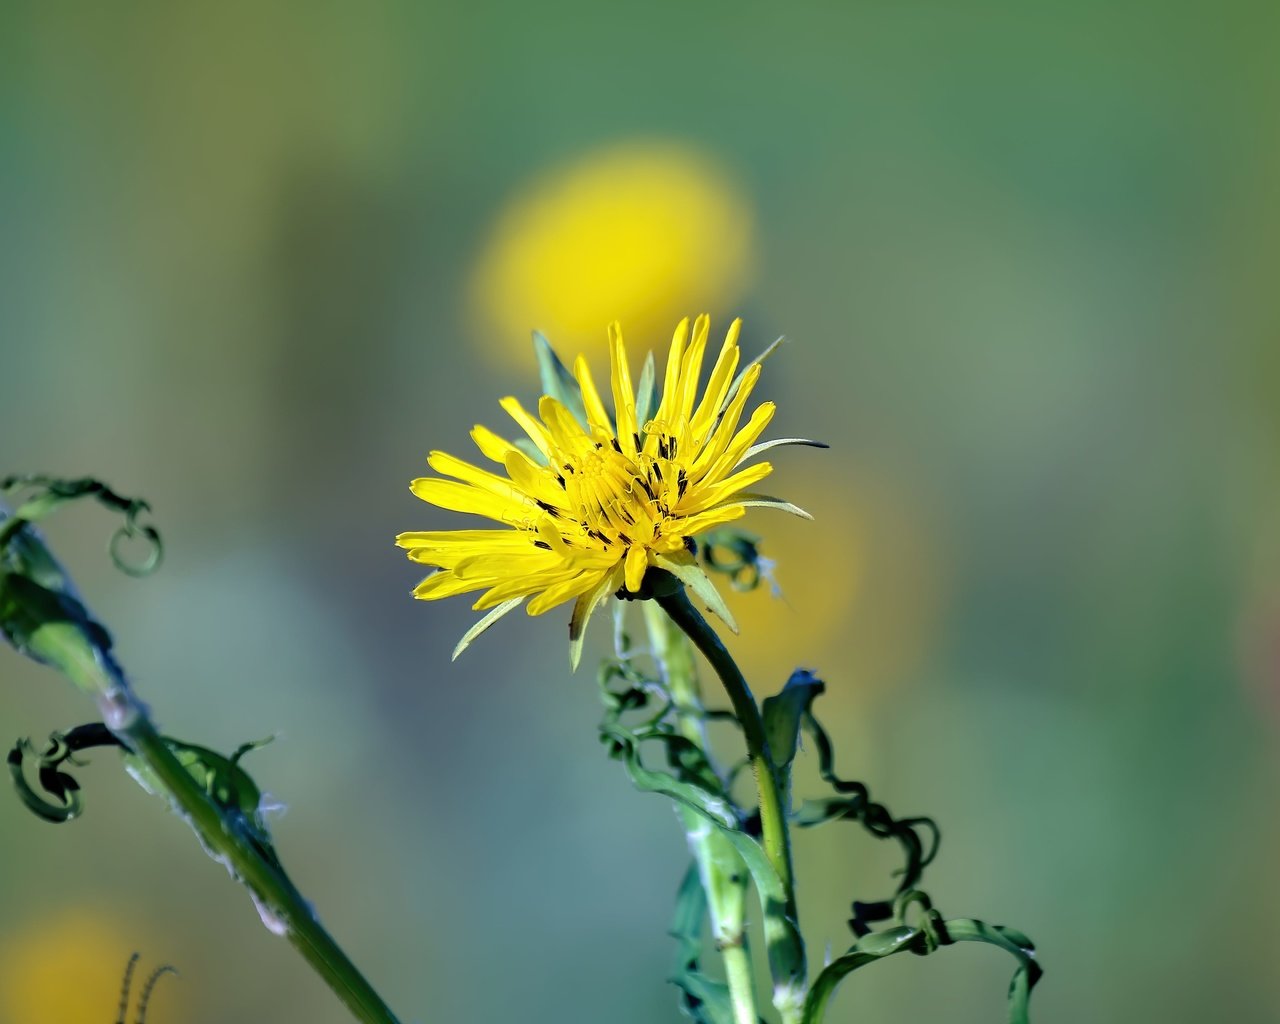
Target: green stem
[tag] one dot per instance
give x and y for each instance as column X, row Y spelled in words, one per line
column 773, row 813
column 720, row 868
column 68, row 646
column 279, row 902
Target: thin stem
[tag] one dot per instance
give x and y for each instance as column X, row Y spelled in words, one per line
column 773, row 817
column 720, row 869
column 224, row 837
column 274, row 893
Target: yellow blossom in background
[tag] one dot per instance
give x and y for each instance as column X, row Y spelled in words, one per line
column 602, row 498
column 637, row 232
column 66, row 968
column 860, row 590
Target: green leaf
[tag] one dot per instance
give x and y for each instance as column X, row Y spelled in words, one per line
column 646, row 392
column 686, row 569
column 556, row 379
column 1014, row 942
column 924, row 940
column 854, row 803
column 866, row 950
column 54, row 628
column 225, row 782
column 220, row 776
column 784, row 712
column 52, row 492
column 782, row 937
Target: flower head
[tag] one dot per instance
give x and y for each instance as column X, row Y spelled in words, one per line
column 591, row 502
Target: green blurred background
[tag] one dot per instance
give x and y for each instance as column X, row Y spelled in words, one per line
column 257, row 260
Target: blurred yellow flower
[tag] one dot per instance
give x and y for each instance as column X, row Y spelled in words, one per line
column 602, row 498
column 67, row 968
column 861, row 590
column 636, row 232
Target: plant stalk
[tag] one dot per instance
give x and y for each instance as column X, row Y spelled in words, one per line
column 721, row 870
column 773, row 811
column 68, row 646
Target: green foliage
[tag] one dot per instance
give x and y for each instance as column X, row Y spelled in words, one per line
column 40, row 613
column 42, row 618
column 642, row 701
column 785, row 711
column 689, row 782
column 931, row 934
column 735, row 554
column 52, row 492
column 557, row 381
column 220, row 776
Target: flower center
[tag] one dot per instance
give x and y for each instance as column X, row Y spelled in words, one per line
column 618, row 501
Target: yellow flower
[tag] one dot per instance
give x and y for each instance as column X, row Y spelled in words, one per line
column 635, row 231
column 601, row 499
column 67, row 967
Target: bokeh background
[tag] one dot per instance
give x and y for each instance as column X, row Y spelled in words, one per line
column 256, row 260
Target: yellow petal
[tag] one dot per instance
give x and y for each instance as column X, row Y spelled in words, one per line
column 490, row 444
column 723, row 432
column 518, row 586
column 637, row 563
column 725, row 457
column 671, row 382
column 563, row 591
column 596, row 414
column 443, row 584
column 536, row 431
column 565, row 430
column 704, row 498
column 704, row 521
column 718, row 386
column 492, row 566
column 624, row 395
column 538, row 482
column 691, row 370
column 450, row 465
column 459, row 497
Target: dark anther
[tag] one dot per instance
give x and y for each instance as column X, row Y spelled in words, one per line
column 546, row 507
column 616, row 447
column 560, row 481
column 568, row 468
column 636, row 439
column 682, row 482
column 662, row 448
column 542, row 544
column 657, row 471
